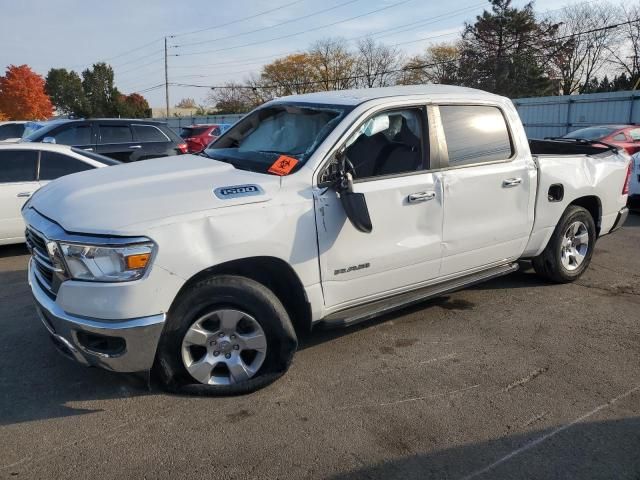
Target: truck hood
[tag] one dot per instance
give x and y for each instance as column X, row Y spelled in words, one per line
column 107, row 200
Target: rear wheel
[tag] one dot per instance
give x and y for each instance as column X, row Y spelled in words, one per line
column 225, row 335
column 569, row 251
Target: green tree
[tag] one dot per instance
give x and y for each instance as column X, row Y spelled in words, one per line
column 506, row 51
column 66, row 92
column 101, row 94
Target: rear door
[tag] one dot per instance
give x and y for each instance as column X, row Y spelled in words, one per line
column 489, row 189
column 115, row 140
column 152, row 140
column 17, row 184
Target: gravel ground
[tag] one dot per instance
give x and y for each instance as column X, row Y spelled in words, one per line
column 515, row 378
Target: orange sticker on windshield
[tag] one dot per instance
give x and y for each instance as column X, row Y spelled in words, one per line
column 283, row 165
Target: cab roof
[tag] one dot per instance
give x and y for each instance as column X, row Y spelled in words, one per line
column 358, row 96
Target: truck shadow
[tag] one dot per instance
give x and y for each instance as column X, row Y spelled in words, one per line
column 524, row 278
column 605, row 449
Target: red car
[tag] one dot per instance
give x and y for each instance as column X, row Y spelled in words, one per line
column 198, row 137
column 625, row 136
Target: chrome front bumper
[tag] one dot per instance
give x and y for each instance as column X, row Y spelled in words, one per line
column 117, row 345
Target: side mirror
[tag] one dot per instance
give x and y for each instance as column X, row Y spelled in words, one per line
column 354, row 204
column 49, row 140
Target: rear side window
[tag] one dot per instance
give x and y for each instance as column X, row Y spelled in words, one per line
column 215, row 132
column 475, row 134
column 115, row 134
column 149, row 133
column 11, row 130
column 18, row 165
column 73, row 135
column 54, row 165
column 634, row 134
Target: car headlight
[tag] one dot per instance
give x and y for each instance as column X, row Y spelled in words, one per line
column 106, row 264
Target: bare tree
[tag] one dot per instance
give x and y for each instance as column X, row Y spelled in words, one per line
column 627, row 54
column 376, row 64
column 233, row 97
column 583, row 46
column 333, row 64
column 439, row 64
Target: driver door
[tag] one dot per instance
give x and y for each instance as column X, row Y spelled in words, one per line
column 390, row 154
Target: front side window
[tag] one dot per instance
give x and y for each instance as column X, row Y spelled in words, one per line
column 388, row 143
column 74, row 135
column 54, row 165
column 115, row 134
column 475, row 134
column 294, row 130
column 18, row 166
column 620, row 137
column 149, row 133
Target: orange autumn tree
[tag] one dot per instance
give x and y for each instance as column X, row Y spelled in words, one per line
column 22, row 95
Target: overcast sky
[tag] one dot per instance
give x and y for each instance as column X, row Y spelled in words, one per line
column 128, row 34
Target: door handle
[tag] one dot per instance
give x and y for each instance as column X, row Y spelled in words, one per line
column 421, row 197
column 88, row 149
column 24, row 194
column 135, row 146
column 511, row 182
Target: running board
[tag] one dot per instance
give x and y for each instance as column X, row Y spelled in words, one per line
column 360, row 313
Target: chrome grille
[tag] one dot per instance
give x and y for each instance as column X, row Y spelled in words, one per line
column 44, row 269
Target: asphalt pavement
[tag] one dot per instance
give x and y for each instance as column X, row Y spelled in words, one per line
column 515, row 378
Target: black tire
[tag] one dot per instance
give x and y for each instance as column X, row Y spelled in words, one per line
column 225, row 291
column 549, row 263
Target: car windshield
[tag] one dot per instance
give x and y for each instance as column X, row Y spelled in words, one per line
column 187, row 132
column 34, row 131
column 291, row 129
column 591, row 133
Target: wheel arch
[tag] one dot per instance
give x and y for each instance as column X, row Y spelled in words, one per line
column 593, row 205
column 272, row 272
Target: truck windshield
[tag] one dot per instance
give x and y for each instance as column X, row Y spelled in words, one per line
column 291, row 129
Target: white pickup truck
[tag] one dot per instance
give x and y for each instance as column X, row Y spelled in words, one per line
column 319, row 209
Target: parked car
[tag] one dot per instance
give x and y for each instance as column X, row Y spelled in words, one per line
column 198, row 137
column 323, row 209
column 26, row 167
column 11, row 131
column 120, row 139
column 624, row 136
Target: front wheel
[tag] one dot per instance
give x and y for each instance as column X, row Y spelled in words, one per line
column 570, row 248
column 225, row 335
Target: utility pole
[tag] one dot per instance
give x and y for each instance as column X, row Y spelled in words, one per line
column 166, row 76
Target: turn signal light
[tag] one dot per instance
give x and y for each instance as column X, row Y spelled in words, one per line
column 183, row 147
column 138, row 261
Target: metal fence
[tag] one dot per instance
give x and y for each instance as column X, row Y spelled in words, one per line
column 176, row 123
column 556, row 116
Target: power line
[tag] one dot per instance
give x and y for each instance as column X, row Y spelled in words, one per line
column 236, row 21
column 261, row 42
column 297, row 19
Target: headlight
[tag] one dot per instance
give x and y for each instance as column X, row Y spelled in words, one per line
column 106, row 264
